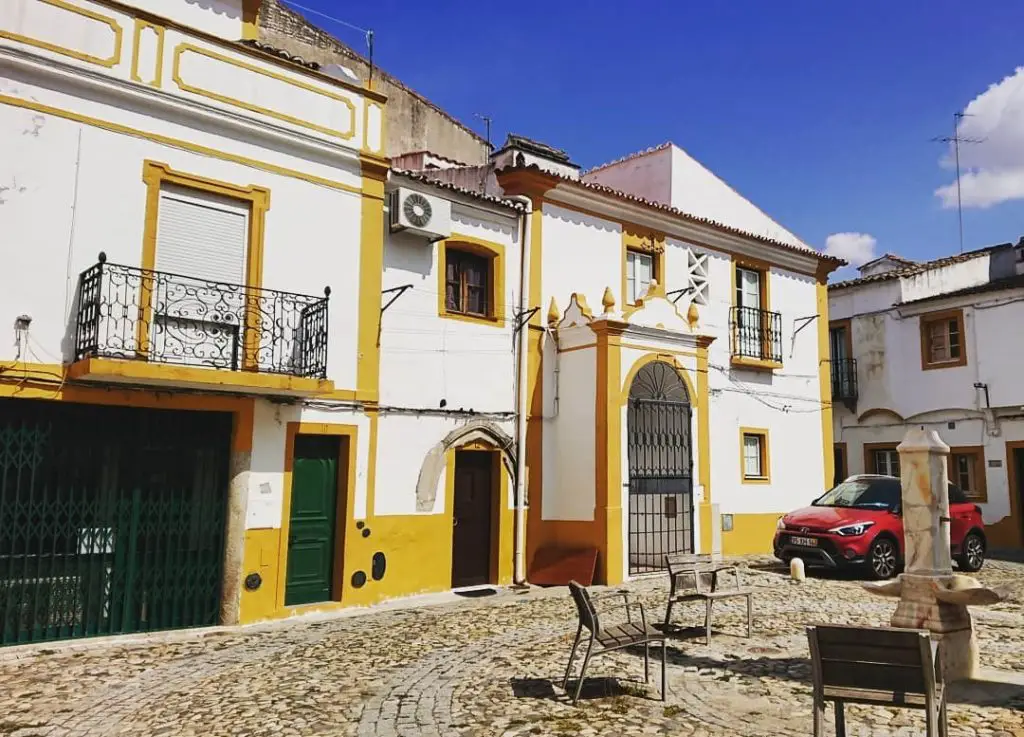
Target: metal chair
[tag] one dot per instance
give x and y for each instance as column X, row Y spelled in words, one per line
column 610, row 638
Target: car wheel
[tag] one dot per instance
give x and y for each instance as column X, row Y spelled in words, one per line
column 973, row 556
column 883, row 558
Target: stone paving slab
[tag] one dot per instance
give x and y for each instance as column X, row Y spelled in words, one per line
column 485, row 668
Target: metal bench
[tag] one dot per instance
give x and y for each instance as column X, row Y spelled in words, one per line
column 698, row 578
column 614, row 637
column 881, row 666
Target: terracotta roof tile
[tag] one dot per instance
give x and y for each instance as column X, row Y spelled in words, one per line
column 626, row 196
column 917, row 268
column 422, row 178
column 630, row 157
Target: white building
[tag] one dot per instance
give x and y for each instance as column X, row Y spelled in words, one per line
column 703, row 340
column 933, row 344
column 254, row 371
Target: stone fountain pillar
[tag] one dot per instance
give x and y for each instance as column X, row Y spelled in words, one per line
column 928, row 566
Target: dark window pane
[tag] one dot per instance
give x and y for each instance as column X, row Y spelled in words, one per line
column 956, row 495
column 467, row 283
column 476, row 301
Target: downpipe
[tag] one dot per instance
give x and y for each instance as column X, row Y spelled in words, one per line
column 519, row 518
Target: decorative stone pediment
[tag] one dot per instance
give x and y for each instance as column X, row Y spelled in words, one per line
column 577, row 314
column 655, row 311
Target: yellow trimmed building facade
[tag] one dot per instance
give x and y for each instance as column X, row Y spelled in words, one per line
column 258, row 372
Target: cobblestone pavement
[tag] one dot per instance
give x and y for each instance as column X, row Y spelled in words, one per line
column 484, row 667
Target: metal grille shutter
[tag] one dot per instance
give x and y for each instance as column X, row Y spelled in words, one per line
column 202, row 235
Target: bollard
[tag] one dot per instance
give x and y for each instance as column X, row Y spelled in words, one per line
column 796, row 569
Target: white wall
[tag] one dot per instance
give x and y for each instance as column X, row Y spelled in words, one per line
column 887, row 347
column 571, row 429
column 266, row 477
column 72, row 189
column 647, row 175
column 584, row 254
column 581, row 254
column 673, row 177
column 426, row 358
column 61, row 212
column 222, row 18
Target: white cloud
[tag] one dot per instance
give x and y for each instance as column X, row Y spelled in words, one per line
column 856, row 248
column 991, row 171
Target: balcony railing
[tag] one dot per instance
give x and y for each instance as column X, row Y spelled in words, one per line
column 130, row 313
column 756, row 334
column 844, row 379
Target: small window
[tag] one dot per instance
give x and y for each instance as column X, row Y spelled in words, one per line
column 754, row 455
column 885, row 461
column 748, row 288
column 467, row 279
column 942, row 340
column 967, row 471
column 639, row 272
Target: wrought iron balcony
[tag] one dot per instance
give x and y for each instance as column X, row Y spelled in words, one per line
column 844, row 379
column 756, row 334
column 137, row 314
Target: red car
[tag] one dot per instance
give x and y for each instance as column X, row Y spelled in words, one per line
column 859, row 523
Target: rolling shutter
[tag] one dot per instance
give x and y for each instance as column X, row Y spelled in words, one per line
column 202, row 236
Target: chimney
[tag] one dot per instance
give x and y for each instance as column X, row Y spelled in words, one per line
column 520, row 151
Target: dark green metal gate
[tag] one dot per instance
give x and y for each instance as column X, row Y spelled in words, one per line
column 111, row 519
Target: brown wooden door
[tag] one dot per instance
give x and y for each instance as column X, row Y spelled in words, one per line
column 471, row 519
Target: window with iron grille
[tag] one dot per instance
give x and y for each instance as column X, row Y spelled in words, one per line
column 467, row 283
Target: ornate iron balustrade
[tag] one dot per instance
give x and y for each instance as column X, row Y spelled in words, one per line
column 844, row 379
column 756, row 333
column 131, row 313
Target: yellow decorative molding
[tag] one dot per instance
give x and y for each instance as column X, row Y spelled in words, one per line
column 140, row 26
column 755, row 363
column 553, row 314
column 155, row 174
column 367, row 148
column 692, row 316
column 184, row 145
column 371, row 270
column 766, row 464
column 129, row 371
column 109, row 61
column 495, row 252
column 346, row 493
column 186, row 47
column 608, row 300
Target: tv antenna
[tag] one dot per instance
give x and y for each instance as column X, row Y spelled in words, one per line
column 956, row 140
column 487, row 124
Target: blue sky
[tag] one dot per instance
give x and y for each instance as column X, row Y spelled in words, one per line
column 819, row 112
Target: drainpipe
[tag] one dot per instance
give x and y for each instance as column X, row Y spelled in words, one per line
column 519, row 525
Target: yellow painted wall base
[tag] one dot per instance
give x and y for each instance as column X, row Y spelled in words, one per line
column 751, row 533
column 1004, row 533
column 417, row 559
column 261, row 553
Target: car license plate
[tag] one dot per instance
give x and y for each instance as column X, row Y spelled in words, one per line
column 810, row 542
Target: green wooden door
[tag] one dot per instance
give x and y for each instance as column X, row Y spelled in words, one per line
column 311, row 533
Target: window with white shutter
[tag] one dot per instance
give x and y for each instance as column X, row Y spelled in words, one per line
column 199, row 299
column 201, row 235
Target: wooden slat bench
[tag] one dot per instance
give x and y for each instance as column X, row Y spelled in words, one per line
column 881, row 666
column 697, row 578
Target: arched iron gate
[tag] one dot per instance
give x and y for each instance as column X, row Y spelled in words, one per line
column 660, row 468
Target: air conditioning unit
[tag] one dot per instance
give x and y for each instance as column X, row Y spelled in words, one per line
column 420, row 214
